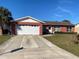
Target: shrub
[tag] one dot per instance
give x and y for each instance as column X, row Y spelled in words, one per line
column 66, row 32
column 77, row 39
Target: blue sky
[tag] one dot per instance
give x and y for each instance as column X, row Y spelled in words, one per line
column 46, row 10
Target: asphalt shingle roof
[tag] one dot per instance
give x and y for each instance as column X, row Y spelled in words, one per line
column 58, row 23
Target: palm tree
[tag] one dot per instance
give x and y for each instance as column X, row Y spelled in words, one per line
column 5, row 19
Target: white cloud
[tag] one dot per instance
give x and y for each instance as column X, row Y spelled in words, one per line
column 63, row 12
column 65, row 1
column 63, row 9
column 58, row 15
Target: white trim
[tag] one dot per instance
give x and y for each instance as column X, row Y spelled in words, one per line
column 29, row 17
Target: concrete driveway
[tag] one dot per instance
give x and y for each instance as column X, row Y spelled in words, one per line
column 35, row 47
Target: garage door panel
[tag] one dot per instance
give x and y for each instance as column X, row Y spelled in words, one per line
column 28, row 30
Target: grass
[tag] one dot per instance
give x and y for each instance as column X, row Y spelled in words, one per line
column 4, row 38
column 65, row 41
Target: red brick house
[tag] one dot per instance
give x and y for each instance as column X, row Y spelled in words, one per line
column 27, row 26
column 33, row 26
column 58, row 27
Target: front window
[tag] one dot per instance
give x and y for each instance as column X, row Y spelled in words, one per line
column 57, row 29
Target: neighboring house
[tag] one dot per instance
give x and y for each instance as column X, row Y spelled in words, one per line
column 77, row 28
column 5, row 30
column 31, row 26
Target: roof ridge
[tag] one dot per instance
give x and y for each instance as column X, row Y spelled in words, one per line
column 29, row 17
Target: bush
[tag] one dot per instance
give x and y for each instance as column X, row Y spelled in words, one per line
column 77, row 39
column 66, row 32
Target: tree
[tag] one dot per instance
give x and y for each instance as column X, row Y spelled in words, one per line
column 66, row 21
column 5, row 19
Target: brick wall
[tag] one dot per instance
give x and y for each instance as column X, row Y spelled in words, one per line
column 63, row 29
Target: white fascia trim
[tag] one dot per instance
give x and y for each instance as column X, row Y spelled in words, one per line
column 29, row 17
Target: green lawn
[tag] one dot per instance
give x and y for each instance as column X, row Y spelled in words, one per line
column 65, row 41
column 4, row 38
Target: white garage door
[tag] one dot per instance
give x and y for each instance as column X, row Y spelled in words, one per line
column 27, row 30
